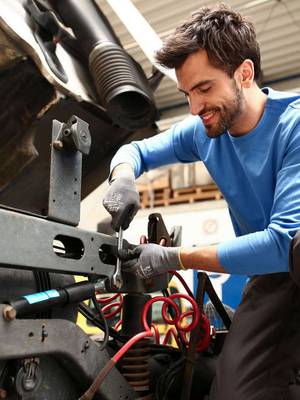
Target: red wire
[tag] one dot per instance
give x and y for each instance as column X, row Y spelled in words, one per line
column 130, row 343
column 118, row 324
column 91, row 391
column 153, row 300
column 183, row 282
column 172, row 332
column 156, row 333
column 177, row 320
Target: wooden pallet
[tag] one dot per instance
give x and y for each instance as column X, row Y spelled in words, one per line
column 166, row 197
column 161, row 198
column 197, row 193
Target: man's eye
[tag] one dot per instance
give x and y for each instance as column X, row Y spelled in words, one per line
column 204, row 90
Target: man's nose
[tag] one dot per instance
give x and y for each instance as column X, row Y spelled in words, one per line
column 196, row 106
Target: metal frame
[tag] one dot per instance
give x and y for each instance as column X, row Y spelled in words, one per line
column 25, row 338
column 28, row 241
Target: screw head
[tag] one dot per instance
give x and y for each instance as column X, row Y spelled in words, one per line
column 58, row 144
column 9, row 313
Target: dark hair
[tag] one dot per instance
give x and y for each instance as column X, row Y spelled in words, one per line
column 225, row 34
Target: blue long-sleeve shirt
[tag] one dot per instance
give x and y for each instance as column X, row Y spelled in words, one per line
column 258, row 174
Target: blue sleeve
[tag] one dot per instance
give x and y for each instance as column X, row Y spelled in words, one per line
column 267, row 251
column 174, row 145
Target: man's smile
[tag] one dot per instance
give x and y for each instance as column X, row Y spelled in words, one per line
column 208, row 117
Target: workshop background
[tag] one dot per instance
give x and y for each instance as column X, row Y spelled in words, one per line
column 185, row 194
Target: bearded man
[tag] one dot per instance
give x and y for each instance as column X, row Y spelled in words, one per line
column 249, row 140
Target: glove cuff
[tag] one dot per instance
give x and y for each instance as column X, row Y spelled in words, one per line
column 123, row 172
column 180, row 260
column 174, row 261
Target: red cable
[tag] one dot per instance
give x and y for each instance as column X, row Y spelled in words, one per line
column 183, row 282
column 118, row 324
column 130, row 343
column 177, row 320
column 156, row 333
column 172, row 332
column 89, row 394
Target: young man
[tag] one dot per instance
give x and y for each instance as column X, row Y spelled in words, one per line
column 249, row 140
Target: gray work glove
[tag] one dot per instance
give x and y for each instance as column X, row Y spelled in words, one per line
column 152, row 259
column 122, row 200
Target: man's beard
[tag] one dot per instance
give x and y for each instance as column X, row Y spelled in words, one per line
column 228, row 114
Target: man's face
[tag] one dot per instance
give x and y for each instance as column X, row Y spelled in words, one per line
column 211, row 94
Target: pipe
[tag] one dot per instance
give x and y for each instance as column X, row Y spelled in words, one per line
column 120, row 82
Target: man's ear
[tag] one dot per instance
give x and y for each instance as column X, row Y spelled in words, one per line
column 246, row 70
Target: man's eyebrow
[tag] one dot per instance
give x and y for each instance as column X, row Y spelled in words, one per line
column 198, row 84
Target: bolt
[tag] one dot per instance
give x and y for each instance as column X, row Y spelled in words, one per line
column 44, row 334
column 9, row 313
column 100, row 286
column 58, row 144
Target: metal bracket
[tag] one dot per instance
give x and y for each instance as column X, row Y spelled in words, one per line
column 69, row 142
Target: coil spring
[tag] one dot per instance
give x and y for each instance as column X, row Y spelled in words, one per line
column 135, row 368
column 111, row 308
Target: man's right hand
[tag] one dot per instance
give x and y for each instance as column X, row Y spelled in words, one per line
column 122, row 200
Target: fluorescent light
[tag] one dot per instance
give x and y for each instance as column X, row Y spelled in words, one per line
column 141, row 31
column 255, row 3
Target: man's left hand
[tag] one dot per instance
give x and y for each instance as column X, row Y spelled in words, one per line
column 148, row 260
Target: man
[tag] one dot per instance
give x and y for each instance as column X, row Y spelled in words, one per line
column 249, row 139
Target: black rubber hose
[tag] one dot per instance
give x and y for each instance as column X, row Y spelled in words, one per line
column 120, row 82
column 105, row 324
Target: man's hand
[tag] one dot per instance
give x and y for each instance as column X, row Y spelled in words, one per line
column 122, row 200
column 152, row 259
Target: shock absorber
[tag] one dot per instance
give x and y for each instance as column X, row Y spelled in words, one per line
column 135, row 364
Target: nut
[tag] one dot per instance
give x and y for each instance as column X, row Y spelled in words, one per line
column 9, row 313
column 58, row 144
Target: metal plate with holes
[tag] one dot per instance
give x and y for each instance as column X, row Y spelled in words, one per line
column 65, row 182
column 29, row 242
column 33, row 243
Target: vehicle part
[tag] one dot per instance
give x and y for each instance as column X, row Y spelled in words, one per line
column 117, row 280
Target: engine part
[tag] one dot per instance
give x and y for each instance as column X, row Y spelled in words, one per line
column 36, row 302
column 117, row 280
column 28, row 378
column 134, row 366
column 78, row 356
column 45, row 22
column 135, row 369
column 32, row 96
column 120, row 82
